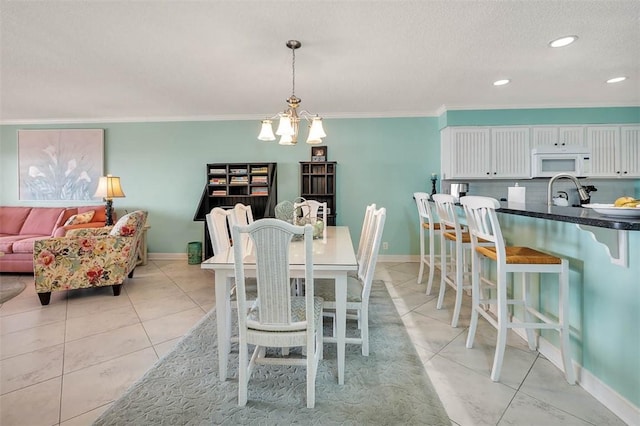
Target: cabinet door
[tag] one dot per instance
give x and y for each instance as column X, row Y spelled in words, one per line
column 630, row 151
column 604, row 144
column 571, row 135
column 470, row 153
column 510, row 153
column 543, row 136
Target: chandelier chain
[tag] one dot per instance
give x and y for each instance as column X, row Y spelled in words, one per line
column 293, row 71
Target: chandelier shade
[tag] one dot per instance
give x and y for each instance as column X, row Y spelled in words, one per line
column 289, row 119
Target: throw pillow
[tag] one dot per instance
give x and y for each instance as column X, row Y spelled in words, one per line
column 80, row 218
column 126, row 225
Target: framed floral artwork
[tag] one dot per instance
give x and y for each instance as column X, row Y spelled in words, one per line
column 60, row 164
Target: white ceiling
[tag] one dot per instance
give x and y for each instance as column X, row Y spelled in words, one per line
column 167, row 60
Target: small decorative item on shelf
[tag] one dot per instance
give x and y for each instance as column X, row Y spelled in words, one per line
column 318, row 153
column 434, row 179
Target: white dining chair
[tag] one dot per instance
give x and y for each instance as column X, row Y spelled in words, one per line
column 358, row 289
column 218, row 226
column 313, row 210
column 241, row 215
column 455, row 246
column 276, row 319
column 483, row 224
column 429, row 227
column 365, row 233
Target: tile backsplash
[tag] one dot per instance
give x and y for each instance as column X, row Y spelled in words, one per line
column 607, row 189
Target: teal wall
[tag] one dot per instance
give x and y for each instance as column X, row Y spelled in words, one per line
column 162, row 169
column 514, row 117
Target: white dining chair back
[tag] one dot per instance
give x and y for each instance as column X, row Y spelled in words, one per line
column 241, row 215
column 218, row 226
column 429, row 227
column 365, row 234
column 313, row 210
column 358, row 290
column 483, row 223
column 276, row 319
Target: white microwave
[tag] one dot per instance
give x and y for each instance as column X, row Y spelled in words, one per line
column 549, row 161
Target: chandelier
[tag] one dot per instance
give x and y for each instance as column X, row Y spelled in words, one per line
column 290, row 118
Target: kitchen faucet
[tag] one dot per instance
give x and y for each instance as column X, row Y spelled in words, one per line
column 584, row 196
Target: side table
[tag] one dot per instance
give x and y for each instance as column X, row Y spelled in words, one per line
column 142, row 249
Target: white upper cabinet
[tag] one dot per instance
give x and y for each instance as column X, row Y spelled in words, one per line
column 629, row 152
column 615, row 151
column 557, row 135
column 510, row 153
column 485, row 153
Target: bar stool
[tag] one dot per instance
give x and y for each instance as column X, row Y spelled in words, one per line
column 483, row 223
column 460, row 243
column 428, row 223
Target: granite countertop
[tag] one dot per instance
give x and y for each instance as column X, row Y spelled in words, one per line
column 579, row 215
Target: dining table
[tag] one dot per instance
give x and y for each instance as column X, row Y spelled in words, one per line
column 333, row 258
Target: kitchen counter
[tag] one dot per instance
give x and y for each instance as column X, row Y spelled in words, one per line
column 578, row 215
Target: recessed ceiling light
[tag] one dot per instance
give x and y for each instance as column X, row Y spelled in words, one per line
column 616, row 79
column 563, row 41
column 501, row 82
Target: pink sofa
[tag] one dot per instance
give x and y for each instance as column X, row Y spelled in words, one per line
column 21, row 226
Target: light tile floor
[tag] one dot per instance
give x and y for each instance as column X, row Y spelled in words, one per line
column 65, row 363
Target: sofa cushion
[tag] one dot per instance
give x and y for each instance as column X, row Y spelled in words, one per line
column 43, row 220
column 80, row 218
column 12, row 219
column 8, row 243
column 25, row 245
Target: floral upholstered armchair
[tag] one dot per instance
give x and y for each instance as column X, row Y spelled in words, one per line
column 91, row 257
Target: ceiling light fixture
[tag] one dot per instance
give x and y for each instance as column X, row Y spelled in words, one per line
column 563, row 41
column 616, row 79
column 290, row 118
column 501, row 82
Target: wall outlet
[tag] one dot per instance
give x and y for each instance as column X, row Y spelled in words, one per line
column 385, row 245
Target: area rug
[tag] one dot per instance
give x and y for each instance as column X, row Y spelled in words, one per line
column 10, row 288
column 388, row 387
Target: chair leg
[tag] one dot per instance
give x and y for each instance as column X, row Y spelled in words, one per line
column 443, row 272
column 364, row 332
column 475, row 298
column 45, row 298
column 503, row 318
column 311, row 373
column 116, row 289
column 432, row 263
column 531, row 336
column 131, row 273
column 459, row 284
column 421, row 255
column 242, row 374
column 563, row 309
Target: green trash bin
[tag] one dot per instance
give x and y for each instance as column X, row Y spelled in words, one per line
column 194, row 252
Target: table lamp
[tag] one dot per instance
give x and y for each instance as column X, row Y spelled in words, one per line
column 109, row 188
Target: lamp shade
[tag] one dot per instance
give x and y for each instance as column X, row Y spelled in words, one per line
column 316, row 132
column 109, row 187
column 284, row 126
column 286, row 140
column 266, row 133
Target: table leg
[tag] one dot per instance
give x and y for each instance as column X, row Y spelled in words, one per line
column 341, row 322
column 222, row 306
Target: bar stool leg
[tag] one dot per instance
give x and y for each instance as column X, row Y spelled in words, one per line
column 459, row 283
column 422, row 258
column 503, row 318
column 475, row 298
column 531, row 336
column 432, row 263
column 563, row 286
column 443, row 271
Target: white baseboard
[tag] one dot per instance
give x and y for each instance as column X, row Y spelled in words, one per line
column 611, row 399
column 167, row 256
column 398, row 258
